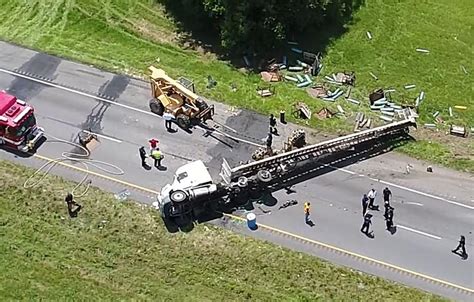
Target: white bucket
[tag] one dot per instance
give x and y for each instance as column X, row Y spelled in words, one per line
column 252, row 221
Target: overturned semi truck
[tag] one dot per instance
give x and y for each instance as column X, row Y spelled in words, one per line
column 194, row 193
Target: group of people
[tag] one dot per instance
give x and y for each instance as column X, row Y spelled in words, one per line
column 155, row 154
column 368, row 204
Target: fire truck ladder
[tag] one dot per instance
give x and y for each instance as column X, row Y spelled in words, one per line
column 274, row 163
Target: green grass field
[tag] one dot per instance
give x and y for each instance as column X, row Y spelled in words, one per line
column 120, row 251
column 128, row 36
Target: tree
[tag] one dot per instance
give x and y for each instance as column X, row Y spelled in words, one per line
column 260, row 25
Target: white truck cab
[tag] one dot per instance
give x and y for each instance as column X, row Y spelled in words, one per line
column 190, row 182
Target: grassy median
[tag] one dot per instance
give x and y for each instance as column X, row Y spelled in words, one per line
column 118, row 250
column 128, row 36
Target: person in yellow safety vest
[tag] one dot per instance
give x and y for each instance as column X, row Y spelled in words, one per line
column 307, row 208
column 157, row 156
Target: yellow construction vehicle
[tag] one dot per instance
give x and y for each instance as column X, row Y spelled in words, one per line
column 170, row 96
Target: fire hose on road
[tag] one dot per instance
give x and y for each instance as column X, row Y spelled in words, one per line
column 83, row 158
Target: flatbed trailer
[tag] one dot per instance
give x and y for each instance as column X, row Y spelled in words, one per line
column 193, row 192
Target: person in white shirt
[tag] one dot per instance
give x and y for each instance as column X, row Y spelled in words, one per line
column 371, row 195
column 168, row 117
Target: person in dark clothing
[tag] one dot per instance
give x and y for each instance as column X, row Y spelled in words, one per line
column 366, row 224
column 388, row 208
column 71, row 203
column 389, row 218
column 269, row 140
column 273, row 123
column 386, row 195
column 143, row 156
column 461, row 246
column 365, row 204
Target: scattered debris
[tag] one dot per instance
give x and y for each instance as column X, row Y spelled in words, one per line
column 354, row 101
column 297, row 50
column 246, row 61
column 270, row 76
column 301, row 110
column 295, row 68
column 411, row 86
column 265, row 92
column 376, row 95
column 450, row 111
column 292, row 43
column 317, row 91
column 460, row 107
column 458, row 131
column 422, row 50
column 290, row 78
column 374, row 76
column 429, row 169
column 436, row 114
column 422, row 96
column 463, row 69
column 431, row 126
column 348, row 94
column 386, row 118
column 439, row 120
column 324, row 113
column 369, row 35
column 339, row 108
column 122, row 195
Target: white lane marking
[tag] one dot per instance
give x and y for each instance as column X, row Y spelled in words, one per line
column 415, row 203
column 75, row 91
column 418, row 232
column 410, row 190
column 104, row 136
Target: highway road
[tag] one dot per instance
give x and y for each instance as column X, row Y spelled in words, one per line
column 431, row 210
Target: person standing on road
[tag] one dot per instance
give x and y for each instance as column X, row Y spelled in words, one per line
column 143, row 155
column 366, row 224
column 307, row 208
column 168, row 117
column 371, row 195
column 153, row 143
column 273, row 123
column 157, row 156
column 365, row 203
column 386, row 195
column 461, row 246
column 389, row 218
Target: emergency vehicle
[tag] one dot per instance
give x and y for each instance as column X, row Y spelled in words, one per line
column 18, row 127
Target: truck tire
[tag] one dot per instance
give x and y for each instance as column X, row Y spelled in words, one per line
column 242, row 182
column 178, row 196
column 264, row 176
column 156, row 106
column 183, row 121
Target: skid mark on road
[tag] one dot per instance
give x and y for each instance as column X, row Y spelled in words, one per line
column 337, row 250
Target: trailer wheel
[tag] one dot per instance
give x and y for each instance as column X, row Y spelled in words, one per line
column 242, row 182
column 264, row 176
column 183, row 121
column 156, row 106
column 178, row 196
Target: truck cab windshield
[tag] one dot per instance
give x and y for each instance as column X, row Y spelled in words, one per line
column 21, row 129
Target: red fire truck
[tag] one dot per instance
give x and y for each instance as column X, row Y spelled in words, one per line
column 18, row 127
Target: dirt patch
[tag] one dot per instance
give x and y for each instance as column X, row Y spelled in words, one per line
column 153, row 32
column 460, row 147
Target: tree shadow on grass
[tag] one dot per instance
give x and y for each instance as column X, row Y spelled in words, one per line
column 200, row 32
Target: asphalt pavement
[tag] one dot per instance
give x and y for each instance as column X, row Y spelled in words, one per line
column 69, row 97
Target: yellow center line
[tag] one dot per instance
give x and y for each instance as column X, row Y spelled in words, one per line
column 334, row 248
